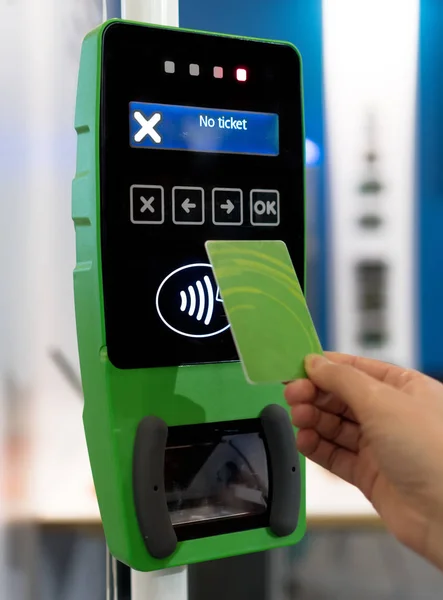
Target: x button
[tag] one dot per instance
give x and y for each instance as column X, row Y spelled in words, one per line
column 147, row 204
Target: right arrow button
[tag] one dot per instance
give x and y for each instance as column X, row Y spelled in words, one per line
column 227, row 206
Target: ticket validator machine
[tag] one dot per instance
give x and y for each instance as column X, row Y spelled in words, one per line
column 182, row 137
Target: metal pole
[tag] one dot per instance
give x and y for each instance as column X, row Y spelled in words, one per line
column 158, row 12
column 169, row 584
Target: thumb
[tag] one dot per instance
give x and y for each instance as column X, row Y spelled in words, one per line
column 363, row 394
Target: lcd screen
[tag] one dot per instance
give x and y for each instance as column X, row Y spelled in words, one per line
column 170, row 127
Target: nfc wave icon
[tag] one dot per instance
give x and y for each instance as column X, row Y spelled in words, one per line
column 205, row 302
column 189, row 302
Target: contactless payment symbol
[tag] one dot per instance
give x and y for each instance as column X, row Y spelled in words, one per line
column 201, row 305
column 188, row 302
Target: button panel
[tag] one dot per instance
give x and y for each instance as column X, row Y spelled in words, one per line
column 188, row 206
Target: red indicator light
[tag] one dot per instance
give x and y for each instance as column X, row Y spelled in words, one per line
column 218, row 72
column 241, row 74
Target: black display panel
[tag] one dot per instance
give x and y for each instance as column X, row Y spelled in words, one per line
column 162, row 200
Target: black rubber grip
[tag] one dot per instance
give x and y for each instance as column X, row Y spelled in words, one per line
column 149, row 487
column 284, row 470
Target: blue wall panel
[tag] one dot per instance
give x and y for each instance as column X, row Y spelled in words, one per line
column 430, row 187
column 297, row 21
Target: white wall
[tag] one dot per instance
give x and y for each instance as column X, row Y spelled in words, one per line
column 370, row 58
column 40, row 47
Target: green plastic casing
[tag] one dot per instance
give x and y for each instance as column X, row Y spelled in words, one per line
column 116, row 400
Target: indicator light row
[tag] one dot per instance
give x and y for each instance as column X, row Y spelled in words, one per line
column 194, row 70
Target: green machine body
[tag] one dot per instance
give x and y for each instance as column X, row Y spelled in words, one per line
column 182, row 137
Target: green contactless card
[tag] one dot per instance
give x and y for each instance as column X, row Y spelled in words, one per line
column 269, row 318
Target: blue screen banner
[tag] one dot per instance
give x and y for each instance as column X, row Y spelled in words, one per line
column 170, row 127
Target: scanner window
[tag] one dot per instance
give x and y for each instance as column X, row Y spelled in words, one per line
column 219, row 482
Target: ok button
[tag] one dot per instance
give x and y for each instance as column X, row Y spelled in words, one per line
column 265, row 207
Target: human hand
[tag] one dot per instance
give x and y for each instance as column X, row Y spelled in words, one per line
column 380, row 428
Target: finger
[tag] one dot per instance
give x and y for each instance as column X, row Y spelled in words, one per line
column 363, row 394
column 304, row 391
column 332, row 404
column 393, row 375
column 300, row 391
column 338, row 461
column 329, row 426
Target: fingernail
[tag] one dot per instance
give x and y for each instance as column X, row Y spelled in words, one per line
column 313, row 361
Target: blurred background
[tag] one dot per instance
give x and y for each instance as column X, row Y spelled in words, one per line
column 373, row 91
